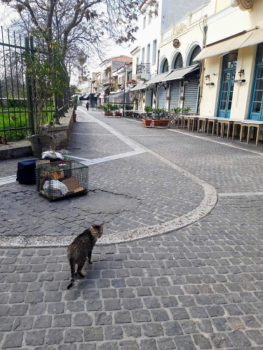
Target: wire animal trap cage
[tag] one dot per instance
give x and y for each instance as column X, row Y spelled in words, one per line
column 61, row 179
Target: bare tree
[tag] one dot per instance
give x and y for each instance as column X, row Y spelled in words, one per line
column 79, row 23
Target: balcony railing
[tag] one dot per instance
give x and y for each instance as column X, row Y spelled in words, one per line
column 143, row 68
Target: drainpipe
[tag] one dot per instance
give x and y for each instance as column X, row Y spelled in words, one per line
column 202, row 76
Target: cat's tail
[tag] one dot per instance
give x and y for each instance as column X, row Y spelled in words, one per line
column 72, row 269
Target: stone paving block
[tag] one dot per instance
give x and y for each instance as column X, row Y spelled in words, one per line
column 108, row 346
column 165, row 344
column 93, row 334
column 122, row 317
column 160, row 315
column 6, row 323
column 201, row 341
column 56, row 308
column 62, row 321
column 112, row 304
column 152, row 330
column 141, row 316
column 103, row 318
column 23, row 323
column 184, row 343
column 128, row 345
column 73, row 335
column 18, row 310
column 113, row 332
column 172, row 328
column 82, row 319
column 34, row 338
column 13, row 340
column 54, row 336
column 43, row 321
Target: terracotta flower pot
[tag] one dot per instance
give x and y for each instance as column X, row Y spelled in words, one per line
column 74, row 116
column 108, row 114
column 162, row 122
column 146, row 122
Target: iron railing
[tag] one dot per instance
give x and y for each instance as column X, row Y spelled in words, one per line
column 17, row 93
column 143, row 68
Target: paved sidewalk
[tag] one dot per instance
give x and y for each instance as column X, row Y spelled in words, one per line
column 199, row 287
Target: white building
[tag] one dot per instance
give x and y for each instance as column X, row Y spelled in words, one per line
column 159, row 26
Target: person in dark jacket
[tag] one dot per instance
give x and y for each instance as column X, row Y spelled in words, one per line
column 87, row 106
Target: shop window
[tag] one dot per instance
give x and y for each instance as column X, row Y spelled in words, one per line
column 257, row 94
column 164, row 66
column 178, row 62
column 193, row 55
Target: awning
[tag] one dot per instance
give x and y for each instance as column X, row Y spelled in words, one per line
column 116, row 93
column 139, row 86
column 158, row 78
column 250, row 38
column 177, row 74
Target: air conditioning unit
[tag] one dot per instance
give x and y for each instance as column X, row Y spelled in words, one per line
column 243, row 4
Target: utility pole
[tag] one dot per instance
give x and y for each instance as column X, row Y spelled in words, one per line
column 124, row 97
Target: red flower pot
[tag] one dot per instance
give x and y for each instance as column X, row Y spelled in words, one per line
column 147, row 122
column 162, row 122
column 108, row 114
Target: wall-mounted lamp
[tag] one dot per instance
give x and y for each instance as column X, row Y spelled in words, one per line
column 210, row 84
column 241, row 72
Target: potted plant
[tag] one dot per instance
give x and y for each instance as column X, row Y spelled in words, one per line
column 160, row 117
column 173, row 117
column 48, row 79
column 117, row 112
column 147, row 120
column 108, row 108
column 128, row 108
column 186, row 110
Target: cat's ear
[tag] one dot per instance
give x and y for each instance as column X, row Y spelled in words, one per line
column 93, row 231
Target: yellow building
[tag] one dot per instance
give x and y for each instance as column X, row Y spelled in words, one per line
column 232, row 61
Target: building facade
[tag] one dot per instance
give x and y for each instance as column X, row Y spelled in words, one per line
column 171, row 46
column 233, row 61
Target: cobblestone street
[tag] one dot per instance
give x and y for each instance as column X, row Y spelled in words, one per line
column 194, row 279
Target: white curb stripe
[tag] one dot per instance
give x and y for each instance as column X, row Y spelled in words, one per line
column 7, row 180
column 240, row 194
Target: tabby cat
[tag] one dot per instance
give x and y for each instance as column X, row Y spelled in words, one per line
column 81, row 248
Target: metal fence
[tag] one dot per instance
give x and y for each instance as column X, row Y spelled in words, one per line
column 17, row 96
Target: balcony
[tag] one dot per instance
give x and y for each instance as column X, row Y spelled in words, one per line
column 143, row 71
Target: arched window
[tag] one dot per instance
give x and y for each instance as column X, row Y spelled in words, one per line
column 178, row 62
column 164, row 66
column 193, row 55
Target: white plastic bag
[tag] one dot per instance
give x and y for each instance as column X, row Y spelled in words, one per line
column 55, row 188
column 52, row 155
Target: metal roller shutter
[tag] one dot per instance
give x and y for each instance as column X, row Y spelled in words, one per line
column 191, row 92
column 174, row 94
column 161, row 97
